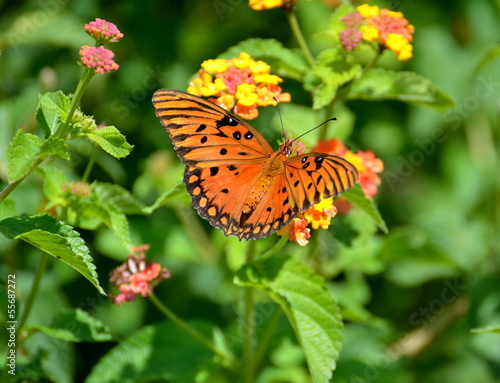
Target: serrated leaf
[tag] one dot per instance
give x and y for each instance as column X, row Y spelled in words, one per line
column 74, row 326
column 284, row 61
column 55, row 146
column 357, row 196
column 308, row 304
column 165, row 197
column 53, row 180
column 55, row 238
column 124, row 201
column 22, row 151
column 331, row 70
column 53, row 108
column 382, row 84
column 160, row 352
column 110, row 140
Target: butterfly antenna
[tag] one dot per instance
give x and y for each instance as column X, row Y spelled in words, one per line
column 281, row 119
column 323, row 123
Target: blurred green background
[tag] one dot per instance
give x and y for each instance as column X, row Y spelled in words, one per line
column 409, row 298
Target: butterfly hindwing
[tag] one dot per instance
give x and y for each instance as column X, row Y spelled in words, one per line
column 204, row 134
column 221, row 202
column 311, row 177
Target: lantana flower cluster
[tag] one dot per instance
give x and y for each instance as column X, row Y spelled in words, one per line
column 99, row 58
column 387, row 28
column 136, row 276
column 320, row 215
column 240, row 84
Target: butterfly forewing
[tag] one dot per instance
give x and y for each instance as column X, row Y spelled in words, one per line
column 204, row 134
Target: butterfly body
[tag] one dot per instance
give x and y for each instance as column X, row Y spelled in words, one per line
column 235, row 179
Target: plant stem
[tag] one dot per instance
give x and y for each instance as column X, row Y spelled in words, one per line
column 34, row 289
column 190, row 330
column 90, row 164
column 61, row 133
column 294, row 25
column 273, row 250
column 196, row 233
column 248, row 325
column 63, row 130
column 268, row 335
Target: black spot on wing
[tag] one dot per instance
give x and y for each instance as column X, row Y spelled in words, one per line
column 226, row 121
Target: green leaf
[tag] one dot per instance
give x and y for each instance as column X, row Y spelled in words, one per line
column 74, row 326
column 489, row 329
column 357, row 196
column 110, row 140
column 21, row 154
column 331, row 70
column 53, row 180
column 55, row 238
column 53, row 108
column 382, row 84
column 284, row 61
column 160, row 352
column 308, row 304
column 55, row 146
column 124, row 201
column 165, row 197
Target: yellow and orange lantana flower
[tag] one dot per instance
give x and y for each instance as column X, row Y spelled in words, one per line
column 387, row 28
column 240, row 84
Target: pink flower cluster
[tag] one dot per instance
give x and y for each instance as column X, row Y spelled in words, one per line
column 98, row 58
column 103, row 31
column 136, row 276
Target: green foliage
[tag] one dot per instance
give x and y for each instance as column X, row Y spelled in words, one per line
column 52, row 109
column 382, row 84
column 157, row 352
column 22, row 151
column 74, row 326
column 284, row 61
column 307, row 303
column 403, row 287
column 110, row 140
column 55, row 238
column 357, row 196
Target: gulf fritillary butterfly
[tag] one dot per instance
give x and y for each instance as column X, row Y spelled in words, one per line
column 235, row 179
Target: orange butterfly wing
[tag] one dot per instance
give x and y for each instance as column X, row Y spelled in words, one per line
column 204, row 134
column 235, row 180
column 311, row 177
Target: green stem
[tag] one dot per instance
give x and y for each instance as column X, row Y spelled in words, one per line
column 190, row 330
column 34, row 289
column 268, row 336
column 273, row 250
column 61, row 133
column 195, row 231
column 90, row 164
column 63, row 130
column 248, row 325
column 294, row 25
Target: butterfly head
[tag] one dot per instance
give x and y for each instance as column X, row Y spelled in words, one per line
column 285, row 149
